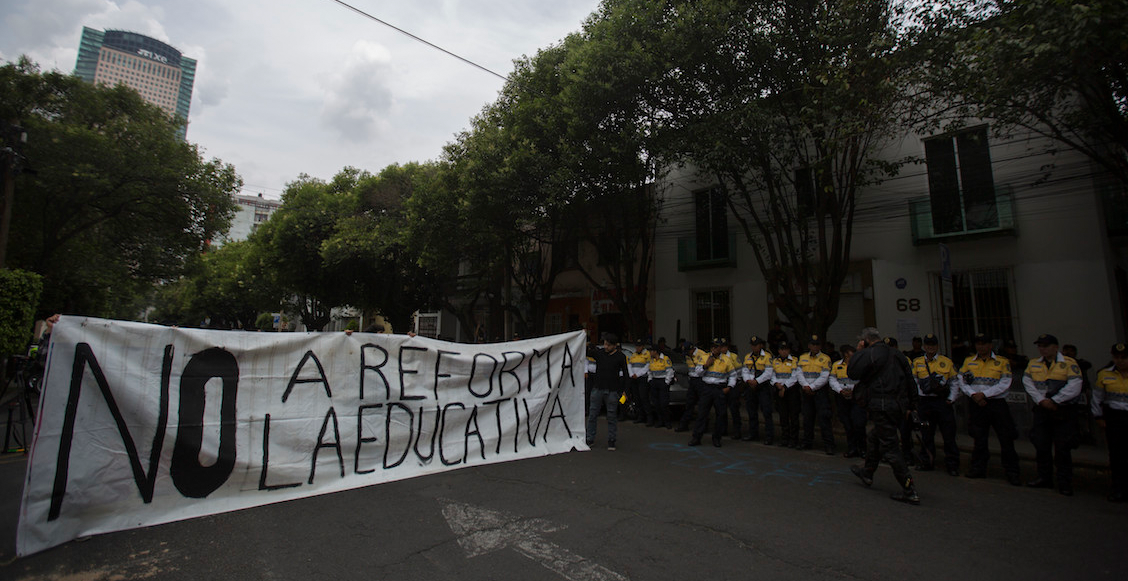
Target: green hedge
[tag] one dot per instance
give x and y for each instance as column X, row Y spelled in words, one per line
column 19, row 297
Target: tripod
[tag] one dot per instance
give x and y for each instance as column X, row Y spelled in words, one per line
column 20, row 396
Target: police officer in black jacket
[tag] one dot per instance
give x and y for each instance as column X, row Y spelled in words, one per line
column 888, row 392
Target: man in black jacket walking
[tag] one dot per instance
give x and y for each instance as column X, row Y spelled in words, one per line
column 888, row 392
column 608, row 387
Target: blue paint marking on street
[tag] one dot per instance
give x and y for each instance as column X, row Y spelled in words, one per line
column 747, row 463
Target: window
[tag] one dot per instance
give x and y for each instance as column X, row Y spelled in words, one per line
column 960, row 184
column 712, row 224
column 713, row 314
column 983, row 303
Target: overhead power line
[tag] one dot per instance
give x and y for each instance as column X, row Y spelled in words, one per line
column 413, row 37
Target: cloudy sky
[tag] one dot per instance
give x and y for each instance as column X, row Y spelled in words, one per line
column 309, row 86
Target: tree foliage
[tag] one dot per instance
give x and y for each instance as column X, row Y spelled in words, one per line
column 110, row 200
column 1056, row 68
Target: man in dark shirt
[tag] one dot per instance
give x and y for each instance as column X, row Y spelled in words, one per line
column 886, row 388
column 609, row 386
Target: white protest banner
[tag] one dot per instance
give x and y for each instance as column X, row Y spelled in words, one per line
column 142, row 424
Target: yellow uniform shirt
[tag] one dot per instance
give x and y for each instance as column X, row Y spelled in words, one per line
column 815, row 370
column 990, row 376
column 1059, row 380
column 1110, row 390
column 942, row 367
column 785, row 371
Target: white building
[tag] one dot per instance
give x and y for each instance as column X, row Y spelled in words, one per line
column 253, row 210
column 1031, row 252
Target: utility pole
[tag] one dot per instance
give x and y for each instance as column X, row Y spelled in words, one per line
column 12, row 136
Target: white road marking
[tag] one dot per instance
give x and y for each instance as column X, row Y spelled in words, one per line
column 481, row 531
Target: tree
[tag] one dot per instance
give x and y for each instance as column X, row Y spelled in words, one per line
column 368, row 254
column 111, row 200
column 1055, row 68
column 290, row 244
column 784, row 104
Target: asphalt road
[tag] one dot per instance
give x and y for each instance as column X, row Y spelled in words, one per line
column 654, row 509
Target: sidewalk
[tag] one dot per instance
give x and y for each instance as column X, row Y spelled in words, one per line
column 1085, row 456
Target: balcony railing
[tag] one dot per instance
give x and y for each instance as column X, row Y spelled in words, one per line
column 965, row 221
column 688, row 258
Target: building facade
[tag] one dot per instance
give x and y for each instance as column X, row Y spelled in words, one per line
column 1021, row 227
column 159, row 72
column 253, row 210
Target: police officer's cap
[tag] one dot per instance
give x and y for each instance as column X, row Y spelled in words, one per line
column 1120, row 349
column 890, row 341
column 1010, row 343
column 719, row 342
column 756, row 340
column 1046, row 340
column 931, row 339
column 981, row 338
column 784, row 345
column 814, row 340
column 640, row 341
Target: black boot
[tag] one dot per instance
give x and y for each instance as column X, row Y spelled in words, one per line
column 860, row 472
column 908, row 495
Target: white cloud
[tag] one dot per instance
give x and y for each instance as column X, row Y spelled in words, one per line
column 289, row 87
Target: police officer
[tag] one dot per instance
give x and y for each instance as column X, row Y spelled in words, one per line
column 1110, row 409
column 852, row 415
column 736, row 389
column 717, row 372
column 660, row 375
column 1053, row 382
column 885, row 387
column 814, row 375
column 695, row 361
column 785, row 381
column 986, row 378
column 638, row 365
column 757, row 376
column 934, row 375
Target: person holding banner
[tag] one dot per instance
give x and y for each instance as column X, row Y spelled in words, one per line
column 609, row 386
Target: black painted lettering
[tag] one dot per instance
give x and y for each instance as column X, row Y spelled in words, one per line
column 403, row 372
column 388, row 433
column 497, row 414
column 83, row 357
column 298, row 370
column 190, row 477
column 419, row 436
column 547, row 366
column 506, row 369
column 556, row 405
column 335, row 444
column 266, row 461
column 567, row 362
column 438, row 376
column 442, row 434
column 474, row 374
column 360, row 439
column 477, row 431
column 364, row 367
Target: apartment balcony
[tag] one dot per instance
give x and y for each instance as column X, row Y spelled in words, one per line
column 996, row 218
column 690, row 259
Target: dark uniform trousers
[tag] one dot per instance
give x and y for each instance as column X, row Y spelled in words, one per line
column 758, row 400
column 712, row 396
column 853, row 418
column 883, row 444
column 789, row 406
column 816, row 405
column 996, row 415
column 692, row 395
column 660, row 402
column 732, row 401
column 639, row 395
column 939, row 414
column 1116, row 428
column 1055, row 434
